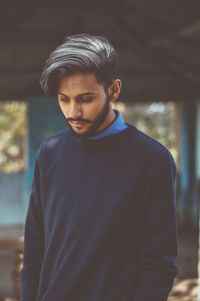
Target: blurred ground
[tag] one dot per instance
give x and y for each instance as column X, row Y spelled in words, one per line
column 185, row 286
column 187, row 259
column 184, row 290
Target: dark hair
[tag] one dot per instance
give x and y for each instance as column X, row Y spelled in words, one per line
column 80, row 53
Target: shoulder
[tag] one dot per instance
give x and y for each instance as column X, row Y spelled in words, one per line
column 150, row 150
column 53, row 142
column 56, row 139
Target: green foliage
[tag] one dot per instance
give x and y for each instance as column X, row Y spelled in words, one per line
column 12, row 136
column 158, row 120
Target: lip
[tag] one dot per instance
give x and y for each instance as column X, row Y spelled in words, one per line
column 77, row 123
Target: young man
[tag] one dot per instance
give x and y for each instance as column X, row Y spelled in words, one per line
column 101, row 223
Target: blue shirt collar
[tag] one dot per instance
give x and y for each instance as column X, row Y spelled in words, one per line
column 118, row 125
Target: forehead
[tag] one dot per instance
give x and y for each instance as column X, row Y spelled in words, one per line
column 79, row 83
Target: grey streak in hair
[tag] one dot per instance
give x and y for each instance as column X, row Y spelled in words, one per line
column 80, row 53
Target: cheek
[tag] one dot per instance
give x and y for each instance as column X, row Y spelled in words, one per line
column 64, row 108
column 93, row 110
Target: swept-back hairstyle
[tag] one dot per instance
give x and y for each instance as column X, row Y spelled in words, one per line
column 80, row 53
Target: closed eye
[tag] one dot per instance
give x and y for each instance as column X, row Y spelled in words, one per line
column 86, row 99
column 63, row 98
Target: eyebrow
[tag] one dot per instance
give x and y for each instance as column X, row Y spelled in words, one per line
column 83, row 94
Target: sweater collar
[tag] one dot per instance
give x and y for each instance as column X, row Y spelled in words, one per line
column 118, row 125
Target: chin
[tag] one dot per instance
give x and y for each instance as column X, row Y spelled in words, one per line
column 84, row 133
column 80, row 133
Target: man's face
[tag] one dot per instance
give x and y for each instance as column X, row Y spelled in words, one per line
column 84, row 103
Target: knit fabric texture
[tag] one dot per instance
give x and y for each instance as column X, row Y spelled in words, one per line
column 101, row 221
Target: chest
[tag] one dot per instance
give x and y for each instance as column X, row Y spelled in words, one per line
column 87, row 190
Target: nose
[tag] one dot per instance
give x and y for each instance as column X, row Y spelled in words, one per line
column 75, row 111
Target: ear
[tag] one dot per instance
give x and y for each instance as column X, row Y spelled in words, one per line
column 114, row 89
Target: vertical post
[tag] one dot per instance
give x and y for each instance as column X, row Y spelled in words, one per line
column 44, row 118
column 198, row 183
column 188, row 207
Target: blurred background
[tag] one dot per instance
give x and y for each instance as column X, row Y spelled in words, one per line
column 159, row 45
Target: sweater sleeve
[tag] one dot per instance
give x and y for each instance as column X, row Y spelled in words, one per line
column 33, row 242
column 158, row 233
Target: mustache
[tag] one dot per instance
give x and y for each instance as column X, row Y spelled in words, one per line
column 78, row 120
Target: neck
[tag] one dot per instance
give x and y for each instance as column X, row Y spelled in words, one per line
column 109, row 119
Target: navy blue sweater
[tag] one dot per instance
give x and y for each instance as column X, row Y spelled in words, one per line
column 101, row 222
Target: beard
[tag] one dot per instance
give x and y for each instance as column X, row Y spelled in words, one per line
column 94, row 124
